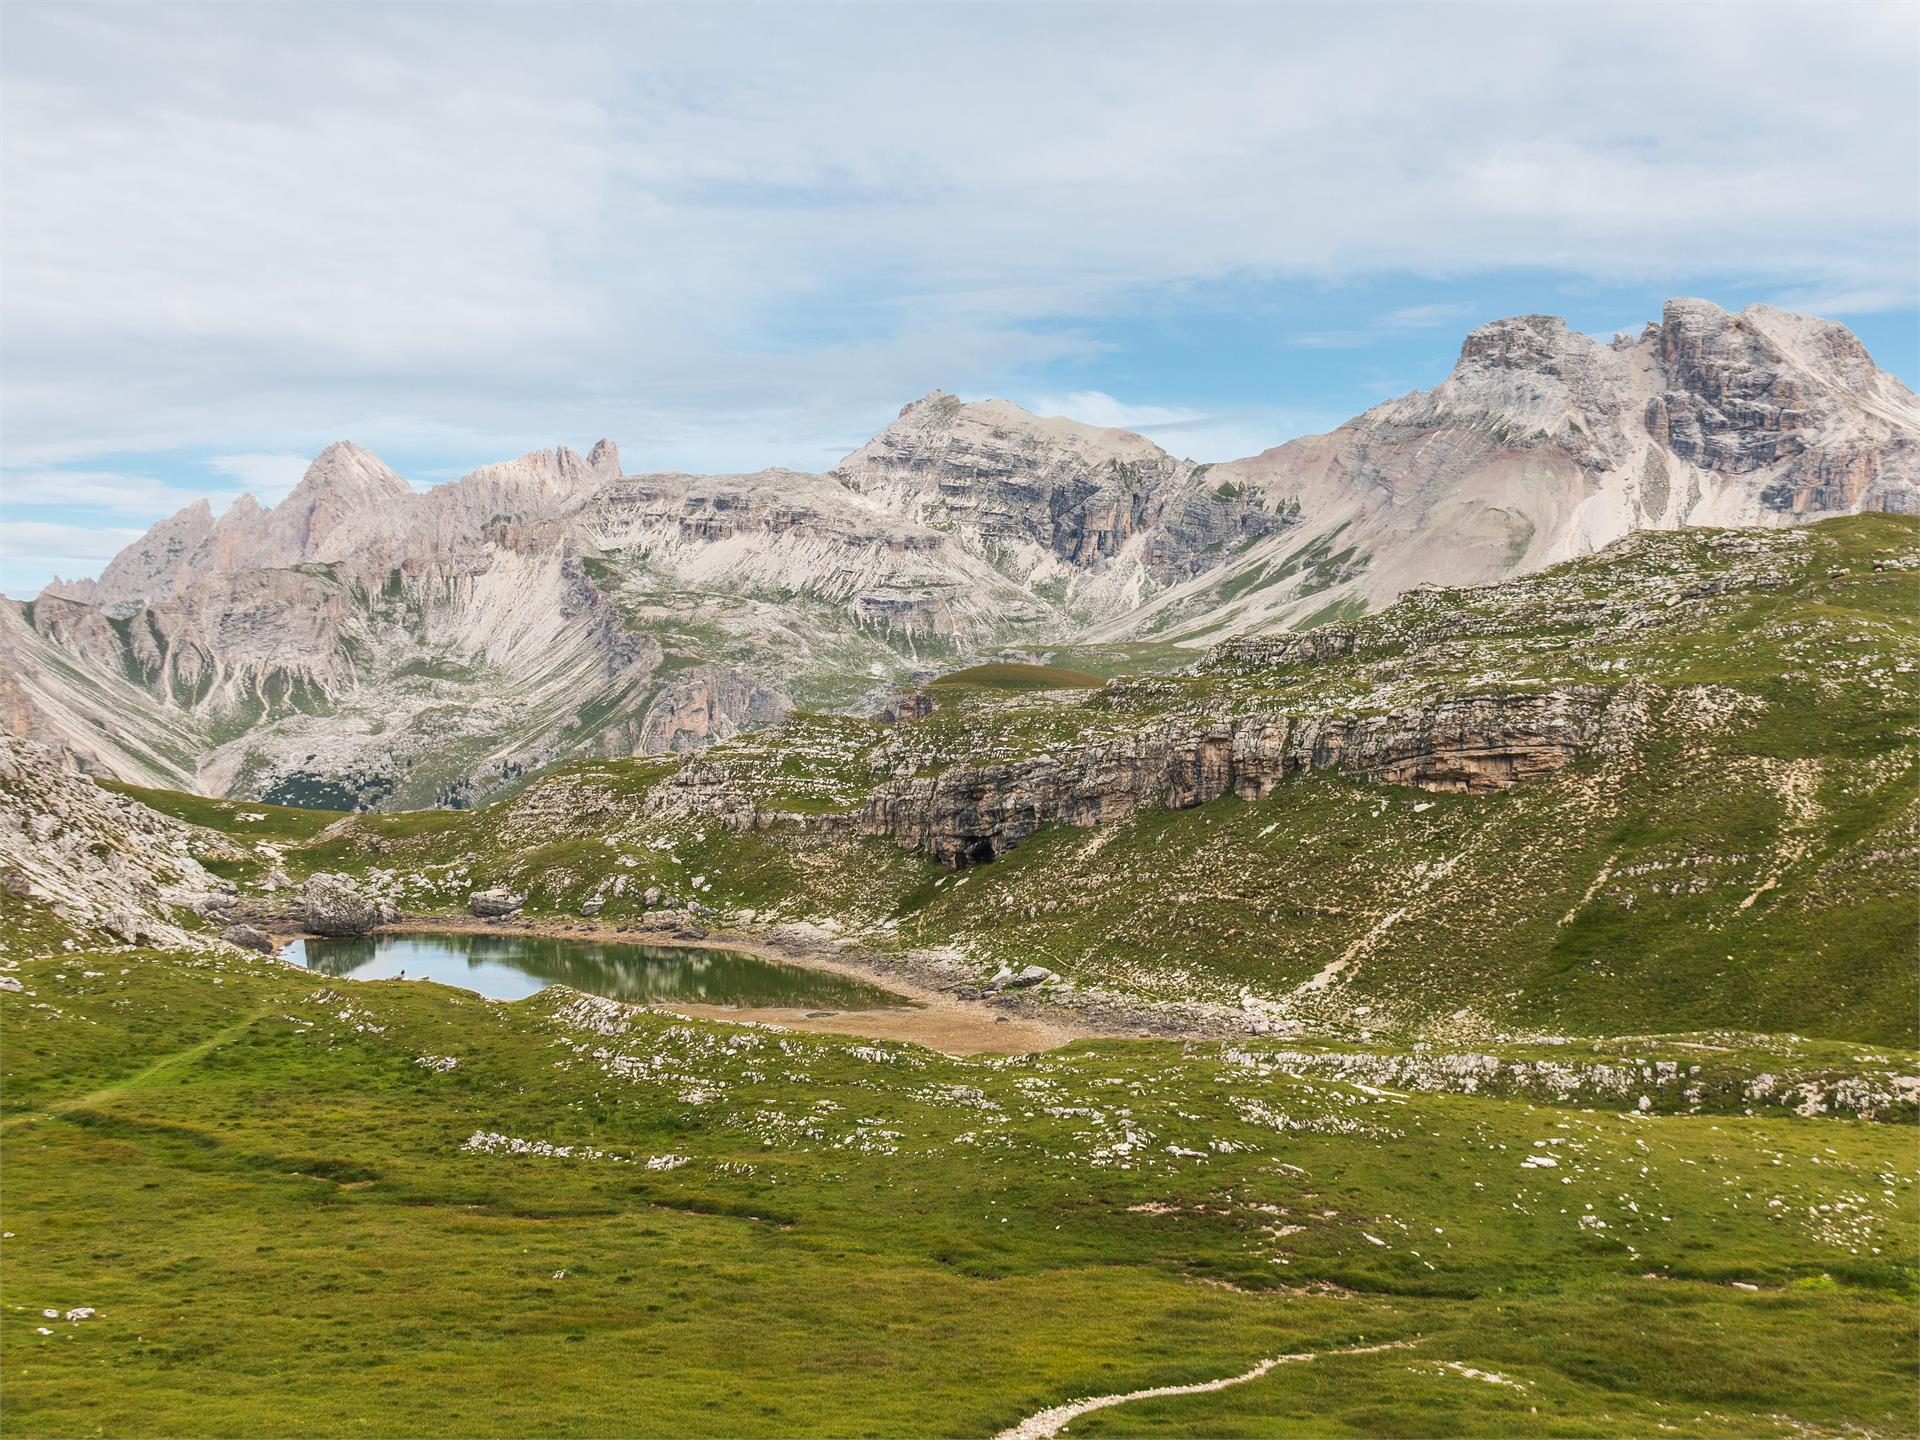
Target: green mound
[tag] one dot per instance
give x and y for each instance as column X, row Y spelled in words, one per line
column 253, row 818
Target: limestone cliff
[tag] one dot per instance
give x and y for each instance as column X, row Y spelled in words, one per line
column 967, row 814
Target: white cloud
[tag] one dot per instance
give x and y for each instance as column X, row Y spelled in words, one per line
column 1423, row 317
column 111, row 490
column 46, row 541
column 1394, row 322
column 1191, row 434
column 1096, row 407
column 248, row 228
column 267, row 476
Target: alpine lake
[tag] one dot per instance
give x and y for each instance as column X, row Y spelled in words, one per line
column 512, row 967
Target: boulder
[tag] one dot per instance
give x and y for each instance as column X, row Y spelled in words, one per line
column 1023, row 978
column 248, row 938
column 492, row 904
column 211, row 906
column 654, row 895
column 594, row 906
column 137, row 928
column 334, row 906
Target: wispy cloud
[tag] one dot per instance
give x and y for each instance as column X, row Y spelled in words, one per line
column 46, row 539
column 1096, row 407
column 1381, row 327
column 111, row 490
column 1189, row 433
column 1423, row 317
column 267, row 476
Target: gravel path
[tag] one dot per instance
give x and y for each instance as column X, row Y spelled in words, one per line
column 1048, row 1423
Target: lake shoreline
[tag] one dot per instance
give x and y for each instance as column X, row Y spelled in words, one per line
column 1009, row 1022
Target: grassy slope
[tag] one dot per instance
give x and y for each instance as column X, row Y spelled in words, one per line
column 1749, row 865
column 245, row 819
column 266, row 1200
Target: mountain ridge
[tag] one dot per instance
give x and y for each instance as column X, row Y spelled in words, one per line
column 434, row 645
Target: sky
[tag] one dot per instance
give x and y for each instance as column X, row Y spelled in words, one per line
column 733, row 237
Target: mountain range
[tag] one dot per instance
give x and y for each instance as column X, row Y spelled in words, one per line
column 362, row 644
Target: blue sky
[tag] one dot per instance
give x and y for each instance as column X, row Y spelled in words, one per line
column 736, row 238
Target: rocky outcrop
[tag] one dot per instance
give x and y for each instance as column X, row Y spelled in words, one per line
column 1274, row 652
column 706, row 705
column 905, row 709
column 969, row 814
column 334, row 905
column 248, row 938
column 492, row 904
column 99, row 860
column 1475, row 745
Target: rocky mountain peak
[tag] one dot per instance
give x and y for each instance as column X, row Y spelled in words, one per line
column 604, row 459
column 1034, row 491
column 1700, row 338
column 1522, row 342
column 935, row 402
column 549, row 474
column 151, row 566
column 345, row 469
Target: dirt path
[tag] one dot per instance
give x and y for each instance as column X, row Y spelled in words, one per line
column 1051, row 1422
column 140, row 1077
column 953, row 1027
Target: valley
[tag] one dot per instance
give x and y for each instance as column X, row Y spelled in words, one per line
column 958, row 722
column 1493, row 1015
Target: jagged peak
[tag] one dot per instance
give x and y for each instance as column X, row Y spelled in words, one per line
column 1691, row 309
column 940, row 410
column 344, row 465
column 604, row 458
column 559, row 469
column 1521, row 342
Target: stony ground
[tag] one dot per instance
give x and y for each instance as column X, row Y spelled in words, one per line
column 241, row 1201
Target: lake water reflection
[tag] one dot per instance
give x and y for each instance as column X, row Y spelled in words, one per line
column 510, row 967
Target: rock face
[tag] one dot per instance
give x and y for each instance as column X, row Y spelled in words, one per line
column 491, row 904
column 706, row 705
column 248, row 938
column 1037, row 491
column 364, row 645
column 100, row 860
column 332, row 905
column 1477, row 744
column 969, row 814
